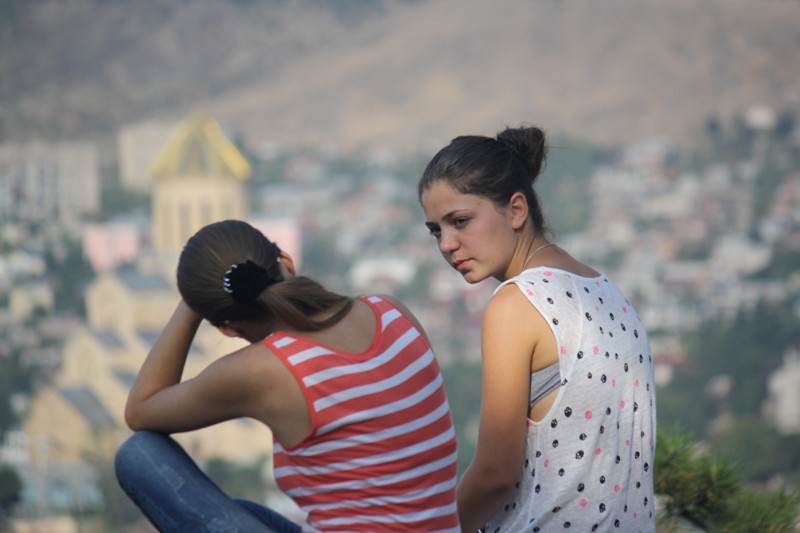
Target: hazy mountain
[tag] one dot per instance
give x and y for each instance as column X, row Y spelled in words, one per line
column 404, row 73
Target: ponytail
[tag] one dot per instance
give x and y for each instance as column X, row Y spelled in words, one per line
column 230, row 271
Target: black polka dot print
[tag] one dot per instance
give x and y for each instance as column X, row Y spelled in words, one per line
column 590, row 457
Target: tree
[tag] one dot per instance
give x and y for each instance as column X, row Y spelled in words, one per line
column 564, row 186
column 748, row 348
column 116, row 199
column 244, row 481
column 462, row 380
column 760, row 453
column 10, row 489
column 69, row 274
column 119, row 512
column 705, row 490
column 13, row 379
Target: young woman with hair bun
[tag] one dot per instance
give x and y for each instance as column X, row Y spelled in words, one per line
column 567, row 427
column 349, row 387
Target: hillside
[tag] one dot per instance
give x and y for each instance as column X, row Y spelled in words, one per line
column 405, row 73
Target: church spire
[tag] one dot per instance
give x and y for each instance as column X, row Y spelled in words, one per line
column 198, row 179
column 199, row 148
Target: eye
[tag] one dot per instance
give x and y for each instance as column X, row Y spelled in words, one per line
column 434, row 231
column 460, row 222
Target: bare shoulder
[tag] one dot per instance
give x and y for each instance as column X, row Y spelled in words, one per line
column 256, row 356
column 509, row 312
column 402, row 307
column 257, row 369
column 405, row 310
column 397, row 302
column 274, row 394
column 255, row 364
column 507, row 302
column 567, row 262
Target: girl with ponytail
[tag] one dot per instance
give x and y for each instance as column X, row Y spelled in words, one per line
column 349, row 387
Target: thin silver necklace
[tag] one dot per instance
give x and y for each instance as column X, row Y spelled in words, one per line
column 539, row 249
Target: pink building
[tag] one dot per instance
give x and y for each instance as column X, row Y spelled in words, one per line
column 285, row 232
column 106, row 246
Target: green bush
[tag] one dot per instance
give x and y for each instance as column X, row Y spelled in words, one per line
column 704, row 489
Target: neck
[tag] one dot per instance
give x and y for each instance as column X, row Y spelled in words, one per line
column 536, row 250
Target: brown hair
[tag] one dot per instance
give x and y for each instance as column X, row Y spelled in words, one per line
column 494, row 168
column 202, row 273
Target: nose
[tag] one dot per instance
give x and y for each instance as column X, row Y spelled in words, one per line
column 447, row 242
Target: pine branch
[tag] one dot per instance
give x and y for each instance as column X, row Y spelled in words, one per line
column 705, row 490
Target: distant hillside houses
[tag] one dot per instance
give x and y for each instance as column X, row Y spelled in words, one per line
column 46, row 182
column 77, row 416
column 685, row 246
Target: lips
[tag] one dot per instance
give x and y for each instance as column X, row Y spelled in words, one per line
column 460, row 264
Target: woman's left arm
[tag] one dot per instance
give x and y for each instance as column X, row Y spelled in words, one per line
column 164, row 364
column 507, row 344
column 228, row 388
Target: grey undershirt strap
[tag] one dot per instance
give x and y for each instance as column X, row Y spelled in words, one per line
column 543, row 382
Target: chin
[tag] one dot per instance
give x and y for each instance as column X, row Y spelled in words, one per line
column 472, row 277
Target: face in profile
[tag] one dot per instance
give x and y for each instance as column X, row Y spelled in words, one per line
column 473, row 234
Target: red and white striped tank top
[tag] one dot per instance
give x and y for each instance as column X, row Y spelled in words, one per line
column 381, row 455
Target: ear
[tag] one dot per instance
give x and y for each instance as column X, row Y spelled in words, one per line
column 518, row 208
column 231, row 331
column 288, row 263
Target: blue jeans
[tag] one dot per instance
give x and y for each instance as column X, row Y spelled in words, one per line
column 176, row 496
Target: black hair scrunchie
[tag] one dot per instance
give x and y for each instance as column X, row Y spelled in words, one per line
column 246, row 281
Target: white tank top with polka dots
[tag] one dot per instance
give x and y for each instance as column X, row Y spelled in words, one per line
column 588, row 465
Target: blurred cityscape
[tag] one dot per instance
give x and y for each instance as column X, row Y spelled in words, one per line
column 674, row 167
column 705, row 244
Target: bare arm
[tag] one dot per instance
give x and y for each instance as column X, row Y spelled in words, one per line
column 160, row 401
column 507, row 345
